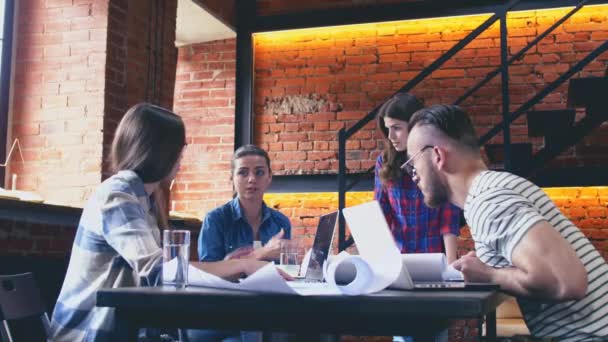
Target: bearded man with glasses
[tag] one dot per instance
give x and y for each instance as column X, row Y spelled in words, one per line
column 522, row 240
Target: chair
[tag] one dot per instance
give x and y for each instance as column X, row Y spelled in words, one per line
column 22, row 312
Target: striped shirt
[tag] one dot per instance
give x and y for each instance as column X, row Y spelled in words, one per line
column 500, row 209
column 116, row 245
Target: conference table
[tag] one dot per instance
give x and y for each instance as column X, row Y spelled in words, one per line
column 421, row 314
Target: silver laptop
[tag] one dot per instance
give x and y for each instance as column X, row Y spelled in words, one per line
column 321, row 247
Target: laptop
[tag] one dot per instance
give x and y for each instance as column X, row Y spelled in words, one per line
column 368, row 223
column 312, row 266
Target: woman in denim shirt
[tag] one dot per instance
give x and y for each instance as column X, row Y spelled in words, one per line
column 229, row 231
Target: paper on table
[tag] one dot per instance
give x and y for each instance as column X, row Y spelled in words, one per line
column 377, row 249
column 378, row 265
column 425, row 267
column 266, row 280
column 350, row 274
column 430, row 267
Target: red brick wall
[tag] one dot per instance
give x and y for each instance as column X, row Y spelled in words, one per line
column 204, row 97
column 35, row 239
column 57, row 106
column 348, row 70
column 142, row 59
column 79, row 65
column 587, row 207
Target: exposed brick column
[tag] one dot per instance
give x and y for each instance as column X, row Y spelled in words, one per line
column 204, row 97
column 79, row 65
column 141, row 59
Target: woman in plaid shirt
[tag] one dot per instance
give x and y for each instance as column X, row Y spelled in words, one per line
column 415, row 227
column 117, row 243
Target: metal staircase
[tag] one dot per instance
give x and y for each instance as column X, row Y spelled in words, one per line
column 557, row 127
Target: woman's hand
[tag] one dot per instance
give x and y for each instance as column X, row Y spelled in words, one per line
column 272, row 250
column 250, row 266
column 244, row 252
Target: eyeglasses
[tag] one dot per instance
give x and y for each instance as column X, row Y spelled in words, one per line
column 408, row 166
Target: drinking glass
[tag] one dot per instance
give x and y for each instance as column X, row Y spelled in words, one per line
column 290, row 257
column 176, row 246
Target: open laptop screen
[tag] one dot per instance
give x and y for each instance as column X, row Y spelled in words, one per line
column 321, row 246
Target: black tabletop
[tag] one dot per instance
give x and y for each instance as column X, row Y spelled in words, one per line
column 386, row 312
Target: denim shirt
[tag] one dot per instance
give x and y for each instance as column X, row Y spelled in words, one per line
column 225, row 229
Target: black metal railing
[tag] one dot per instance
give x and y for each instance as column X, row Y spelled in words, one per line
column 546, row 91
column 503, row 69
column 344, row 134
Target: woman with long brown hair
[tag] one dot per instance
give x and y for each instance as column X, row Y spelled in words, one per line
column 415, row 227
column 117, row 243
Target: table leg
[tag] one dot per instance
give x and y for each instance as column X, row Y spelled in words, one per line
column 123, row 327
column 491, row 326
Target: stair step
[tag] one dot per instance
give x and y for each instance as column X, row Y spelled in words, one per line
column 520, row 153
column 571, row 176
column 587, row 91
column 550, row 122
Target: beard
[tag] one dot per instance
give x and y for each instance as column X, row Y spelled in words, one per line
column 438, row 192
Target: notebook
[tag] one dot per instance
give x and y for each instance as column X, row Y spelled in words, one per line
column 312, row 266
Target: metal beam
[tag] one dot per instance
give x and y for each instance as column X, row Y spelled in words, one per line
column 243, row 121
column 404, row 11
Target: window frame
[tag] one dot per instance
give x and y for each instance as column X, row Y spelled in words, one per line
column 5, row 79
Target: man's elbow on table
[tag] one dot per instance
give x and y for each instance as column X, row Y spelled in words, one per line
column 574, row 287
column 557, row 287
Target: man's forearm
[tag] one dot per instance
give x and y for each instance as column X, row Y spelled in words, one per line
column 520, row 283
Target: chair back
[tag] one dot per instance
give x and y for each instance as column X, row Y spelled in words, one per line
column 20, row 301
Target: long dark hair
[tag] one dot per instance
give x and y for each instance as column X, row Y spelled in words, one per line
column 149, row 140
column 400, row 106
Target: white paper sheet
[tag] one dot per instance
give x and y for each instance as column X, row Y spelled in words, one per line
column 377, row 249
column 430, row 267
column 266, row 280
column 378, row 265
column 425, row 267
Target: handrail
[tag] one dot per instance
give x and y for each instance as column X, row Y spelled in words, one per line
column 508, row 117
column 506, row 99
column 359, row 177
column 548, row 89
column 344, row 134
column 435, row 65
column 521, row 52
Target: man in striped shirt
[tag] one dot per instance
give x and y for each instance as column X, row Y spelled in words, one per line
column 522, row 241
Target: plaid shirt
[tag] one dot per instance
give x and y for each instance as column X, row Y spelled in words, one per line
column 416, row 228
column 117, row 244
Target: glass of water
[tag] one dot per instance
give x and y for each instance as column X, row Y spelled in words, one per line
column 176, row 253
column 290, row 257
